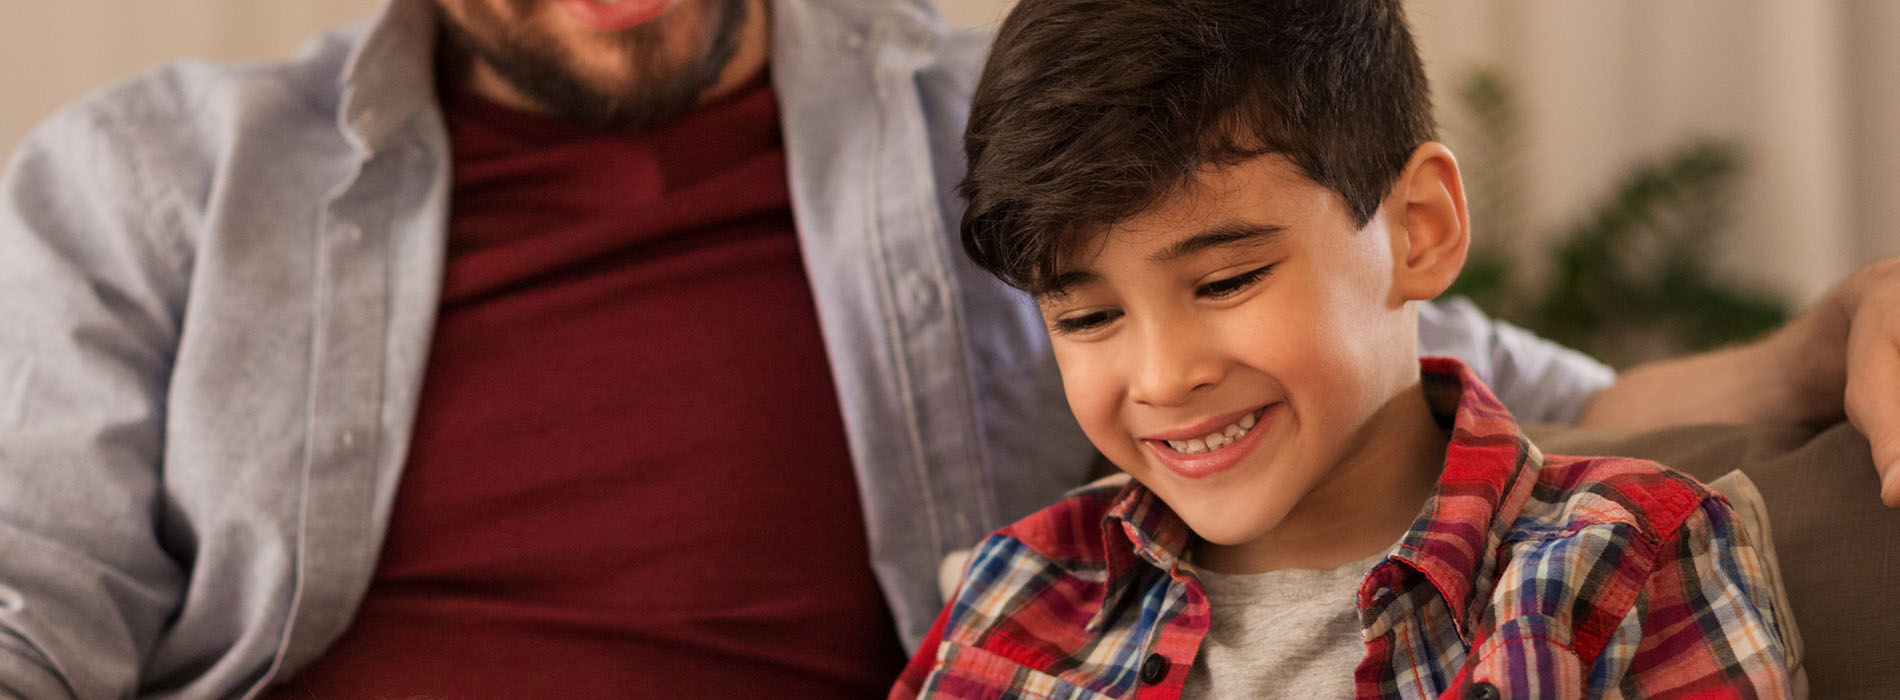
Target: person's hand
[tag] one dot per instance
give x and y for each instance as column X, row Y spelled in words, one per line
column 1840, row 358
column 1870, row 300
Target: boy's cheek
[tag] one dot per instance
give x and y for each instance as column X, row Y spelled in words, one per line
column 1096, row 395
column 1101, row 424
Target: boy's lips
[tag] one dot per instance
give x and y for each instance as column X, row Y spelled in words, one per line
column 614, row 16
column 1213, row 461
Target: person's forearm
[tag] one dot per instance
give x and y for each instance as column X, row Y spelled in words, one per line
column 1794, row 375
column 1800, row 373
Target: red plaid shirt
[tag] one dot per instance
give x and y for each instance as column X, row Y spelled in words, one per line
column 1524, row 576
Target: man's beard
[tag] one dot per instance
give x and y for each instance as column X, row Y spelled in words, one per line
column 659, row 89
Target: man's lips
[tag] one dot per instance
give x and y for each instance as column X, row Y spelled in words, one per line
column 614, row 16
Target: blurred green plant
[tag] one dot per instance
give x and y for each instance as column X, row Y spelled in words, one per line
column 1629, row 280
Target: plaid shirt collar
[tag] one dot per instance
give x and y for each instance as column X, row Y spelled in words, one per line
column 1453, row 542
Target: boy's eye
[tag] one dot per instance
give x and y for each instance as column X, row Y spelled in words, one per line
column 1223, row 288
column 1084, row 322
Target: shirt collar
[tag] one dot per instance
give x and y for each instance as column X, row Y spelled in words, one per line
column 1487, row 477
column 1139, row 532
column 1489, row 470
column 390, row 76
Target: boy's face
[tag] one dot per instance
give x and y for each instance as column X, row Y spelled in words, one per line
column 1234, row 347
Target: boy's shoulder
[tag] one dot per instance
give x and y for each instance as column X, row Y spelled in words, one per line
column 1606, row 558
column 1573, row 493
column 1590, row 537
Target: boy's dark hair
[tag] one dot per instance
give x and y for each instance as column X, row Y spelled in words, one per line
column 1090, row 111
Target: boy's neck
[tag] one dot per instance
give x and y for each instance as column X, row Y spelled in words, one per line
column 1365, row 505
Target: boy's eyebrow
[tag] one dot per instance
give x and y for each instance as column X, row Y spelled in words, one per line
column 1232, row 233
column 1058, row 286
column 1237, row 232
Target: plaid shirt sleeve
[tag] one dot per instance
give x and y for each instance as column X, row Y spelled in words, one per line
column 1705, row 625
column 1679, row 609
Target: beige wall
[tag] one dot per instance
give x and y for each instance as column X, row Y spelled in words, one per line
column 1812, row 88
column 58, row 50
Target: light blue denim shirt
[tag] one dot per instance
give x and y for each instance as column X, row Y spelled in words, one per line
column 218, row 285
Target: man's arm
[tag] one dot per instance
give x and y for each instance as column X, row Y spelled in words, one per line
column 89, row 319
column 1840, row 358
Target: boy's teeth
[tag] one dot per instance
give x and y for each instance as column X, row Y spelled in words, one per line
column 1217, row 439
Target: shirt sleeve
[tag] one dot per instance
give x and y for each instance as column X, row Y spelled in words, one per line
column 92, row 277
column 1538, row 380
column 1705, row 625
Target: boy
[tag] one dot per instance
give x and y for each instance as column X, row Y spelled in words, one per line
column 1225, row 210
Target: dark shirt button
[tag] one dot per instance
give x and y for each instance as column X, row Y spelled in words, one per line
column 1482, row 691
column 1154, row 669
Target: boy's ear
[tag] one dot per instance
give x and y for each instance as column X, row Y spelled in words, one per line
column 1431, row 231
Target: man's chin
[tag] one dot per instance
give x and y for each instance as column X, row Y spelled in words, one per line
column 624, row 80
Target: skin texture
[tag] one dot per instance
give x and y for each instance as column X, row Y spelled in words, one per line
column 536, row 56
column 1323, row 343
column 1839, row 359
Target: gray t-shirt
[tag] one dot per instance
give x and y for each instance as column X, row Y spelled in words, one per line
column 1282, row 634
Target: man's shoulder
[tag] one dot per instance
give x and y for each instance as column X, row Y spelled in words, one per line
column 156, row 145
column 185, row 106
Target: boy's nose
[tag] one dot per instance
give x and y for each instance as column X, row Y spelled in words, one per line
column 1171, row 364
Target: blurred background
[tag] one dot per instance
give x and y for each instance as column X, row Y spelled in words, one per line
column 1644, row 176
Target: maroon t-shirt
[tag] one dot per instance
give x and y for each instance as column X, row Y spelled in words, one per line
column 629, row 475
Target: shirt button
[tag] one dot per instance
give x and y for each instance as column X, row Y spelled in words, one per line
column 1154, row 669
column 919, row 293
column 1482, row 690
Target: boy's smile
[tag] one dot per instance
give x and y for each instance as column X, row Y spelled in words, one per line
column 1243, row 349
column 1197, row 452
